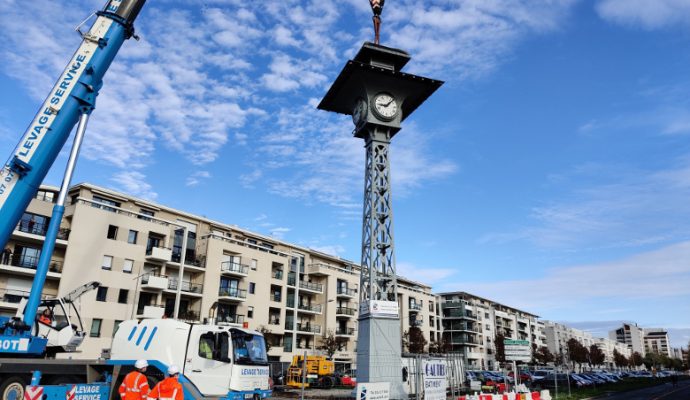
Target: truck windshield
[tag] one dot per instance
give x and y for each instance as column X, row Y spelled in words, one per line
column 249, row 349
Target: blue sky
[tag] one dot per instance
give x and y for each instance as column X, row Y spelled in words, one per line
column 551, row 172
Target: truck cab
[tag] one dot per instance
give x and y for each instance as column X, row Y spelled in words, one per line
column 216, row 360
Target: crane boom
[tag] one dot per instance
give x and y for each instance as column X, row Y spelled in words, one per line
column 73, row 94
column 72, row 99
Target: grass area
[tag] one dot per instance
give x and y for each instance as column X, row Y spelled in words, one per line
column 624, row 386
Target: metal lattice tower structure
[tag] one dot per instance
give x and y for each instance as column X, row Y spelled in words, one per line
column 378, row 277
column 379, row 97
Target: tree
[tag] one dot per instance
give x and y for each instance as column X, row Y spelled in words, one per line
column 414, row 340
column 500, row 347
column 442, row 347
column 636, row 359
column 578, row 353
column 330, row 344
column 542, row 355
column 596, row 356
column 619, row 359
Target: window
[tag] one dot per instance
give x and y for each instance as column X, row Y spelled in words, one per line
column 206, row 342
column 253, row 264
column 96, row 327
column 250, row 312
column 116, row 326
column 132, row 238
column 112, row 232
column 252, row 287
column 127, row 266
column 107, row 262
column 100, row 202
column 101, row 293
column 122, row 297
column 145, row 214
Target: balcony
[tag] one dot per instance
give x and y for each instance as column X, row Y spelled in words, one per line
column 344, row 331
column 309, row 309
column 289, row 325
column 186, row 287
column 311, row 287
column 466, row 341
column 232, row 294
column 278, row 298
column 308, row 328
column 460, row 313
column 460, row 327
column 274, row 319
column 236, row 319
column 154, row 282
column 416, row 322
column 318, row 269
column 277, row 274
column 234, row 269
column 40, row 229
column 150, row 310
column 416, row 307
column 345, row 312
column 345, row 292
column 25, row 265
column 473, row 355
column 451, row 304
column 158, row 254
column 10, row 298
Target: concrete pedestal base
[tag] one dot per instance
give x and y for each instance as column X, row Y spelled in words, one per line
column 378, row 353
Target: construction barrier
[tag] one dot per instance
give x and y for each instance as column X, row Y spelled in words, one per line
column 543, row 395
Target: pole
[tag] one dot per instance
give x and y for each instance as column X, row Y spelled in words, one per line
column 54, row 225
column 183, row 253
column 304, row 375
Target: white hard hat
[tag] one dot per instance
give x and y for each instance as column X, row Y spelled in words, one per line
column 173, row 369
column 141, row 364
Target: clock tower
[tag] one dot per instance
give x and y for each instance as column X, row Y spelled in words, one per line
column 379, row 96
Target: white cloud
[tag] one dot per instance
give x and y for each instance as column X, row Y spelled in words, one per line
column 196, row 178
column 651, row 275
column 647, row 14
column 134, row 183
column 584, row 217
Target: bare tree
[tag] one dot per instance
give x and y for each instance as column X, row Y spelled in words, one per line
column 330, row 344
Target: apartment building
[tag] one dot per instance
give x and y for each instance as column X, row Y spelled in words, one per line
column 608, row 346
column 155, row 261
column 470, row 324
column 631, row 335
column 656, row 341
column 558, row 335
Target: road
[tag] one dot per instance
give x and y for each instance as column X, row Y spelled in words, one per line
column 661, row 392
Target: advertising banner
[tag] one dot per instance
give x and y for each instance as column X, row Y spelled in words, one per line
column 373, row 391
column 435, row 379
column 379, row 308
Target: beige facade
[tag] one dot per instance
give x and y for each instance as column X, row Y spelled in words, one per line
column 558, row 335
column 656, row 342
column 146, row 256
column 471, row 323
column 630, row 335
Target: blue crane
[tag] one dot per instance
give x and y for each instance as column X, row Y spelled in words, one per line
column 69, row 103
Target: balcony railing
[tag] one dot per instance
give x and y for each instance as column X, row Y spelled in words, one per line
column 415, row 306
column 36, row 228
column 345, row 311
column 291, row 279
column 273, row 320
column 188, row 287
column 416, row 322
column 13, row 296
column 345, row 331
column 347, row 292
column 31, row 262
column 147, row 276
column 141, row 306
column 232, row 292
column 306, row 307
column 277, row 298
column 277, row 274
column 231, row 319
column 308, row 328
column 290, row 325
column 317, row 287
column 233, row 267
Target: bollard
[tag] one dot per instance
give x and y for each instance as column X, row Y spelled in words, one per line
column 536, row 396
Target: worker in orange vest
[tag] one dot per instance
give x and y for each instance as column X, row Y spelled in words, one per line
column 135, row 386
column 169, row 388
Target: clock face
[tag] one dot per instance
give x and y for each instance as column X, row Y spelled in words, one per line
column 385, row 106
column 359, row 112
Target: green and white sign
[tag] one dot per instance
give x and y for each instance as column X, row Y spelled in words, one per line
column 517, row 350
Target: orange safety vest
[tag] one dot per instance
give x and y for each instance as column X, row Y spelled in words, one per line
column 45, row 319
column 167, row 389
column 135, row 386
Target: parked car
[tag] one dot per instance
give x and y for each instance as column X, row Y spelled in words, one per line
column 551, row 380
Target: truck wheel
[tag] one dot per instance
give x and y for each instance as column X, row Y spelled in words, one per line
column 12, row 388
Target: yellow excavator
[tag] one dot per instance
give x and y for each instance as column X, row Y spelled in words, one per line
column 320, row 372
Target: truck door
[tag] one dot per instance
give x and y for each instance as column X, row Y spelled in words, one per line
column 208, row 364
